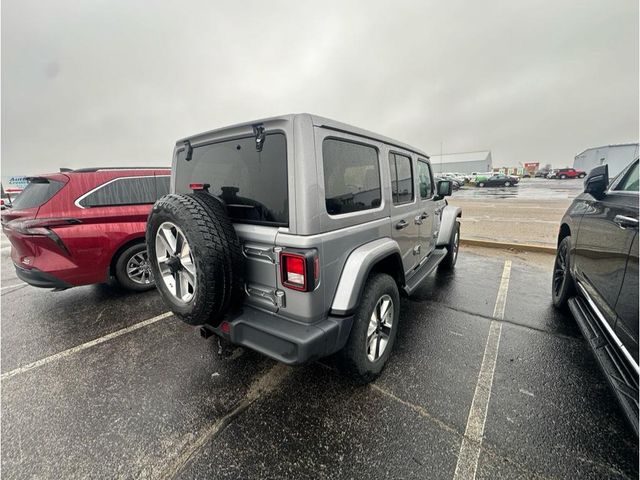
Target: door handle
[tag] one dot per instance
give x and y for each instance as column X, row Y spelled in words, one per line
column 401, row 224
column 626, row 222
column 424, row 216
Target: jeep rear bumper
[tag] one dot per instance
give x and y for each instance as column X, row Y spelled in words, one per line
column 286, row 340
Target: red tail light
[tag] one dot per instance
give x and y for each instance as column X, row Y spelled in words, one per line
column 42, row 227
column 299, row 271
column 37, row 226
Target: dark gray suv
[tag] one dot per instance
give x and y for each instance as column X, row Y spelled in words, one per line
column 296, row 235
column 596, row 276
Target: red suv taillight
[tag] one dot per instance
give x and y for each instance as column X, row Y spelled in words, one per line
column 37, row 226
column 42, row 227
column 299, row 270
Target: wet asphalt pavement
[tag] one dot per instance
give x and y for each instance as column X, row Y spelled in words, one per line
column 157, row 401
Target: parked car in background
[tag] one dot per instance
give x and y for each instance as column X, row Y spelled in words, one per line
column 455, row 183
column 596, row 276
column 86, row 226
column 564, row 173
column 8, row 196
column 463, row 177
column 542, row 173
column 497, row 180
column 458, row 177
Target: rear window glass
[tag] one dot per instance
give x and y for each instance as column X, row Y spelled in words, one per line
column 351, row 176
column 253, row 184
column 36, row 193
column 127, row 191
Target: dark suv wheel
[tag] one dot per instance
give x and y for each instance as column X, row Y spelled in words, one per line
column 374, row 330
column 562, row 287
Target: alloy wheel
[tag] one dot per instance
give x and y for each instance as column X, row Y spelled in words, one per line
column 139, row 270
column 456, row 245
column 175, row 261
column 379, row 330
column 560, row 269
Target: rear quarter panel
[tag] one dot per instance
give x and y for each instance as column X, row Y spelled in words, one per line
column 93, row 243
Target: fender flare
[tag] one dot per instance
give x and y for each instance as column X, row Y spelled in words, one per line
column 356, row 270
column 450, row 215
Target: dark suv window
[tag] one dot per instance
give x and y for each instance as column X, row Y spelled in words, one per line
column 36, row 193
column 401, row 178
column 252, row 183
column 351, row 176
column 631, row 180
column 127, row 191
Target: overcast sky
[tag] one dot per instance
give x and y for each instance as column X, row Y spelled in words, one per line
column 116, row 82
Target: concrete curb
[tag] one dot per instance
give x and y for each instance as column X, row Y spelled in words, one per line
column 525, row 247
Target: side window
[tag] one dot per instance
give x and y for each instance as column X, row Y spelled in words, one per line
column 630, row 182
column 123, row 191
column 401, row 178
column 351, row 176
column 424, row 180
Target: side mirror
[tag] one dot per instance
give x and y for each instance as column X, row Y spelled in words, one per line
column 597, row 181
column 445, row 188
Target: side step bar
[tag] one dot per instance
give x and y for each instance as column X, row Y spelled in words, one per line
column 622, row 378
column 425, row 269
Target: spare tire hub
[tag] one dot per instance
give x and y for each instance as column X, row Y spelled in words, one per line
column 175, row 262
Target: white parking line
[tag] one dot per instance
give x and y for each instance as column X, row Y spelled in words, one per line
column 472, row 442
column 84, row 346
column 11, row 286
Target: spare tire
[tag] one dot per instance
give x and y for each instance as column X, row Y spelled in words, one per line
column 196, row 257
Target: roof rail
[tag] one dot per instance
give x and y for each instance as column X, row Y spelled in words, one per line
column 97, row 169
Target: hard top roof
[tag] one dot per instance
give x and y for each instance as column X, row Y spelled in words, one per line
column 317, row 121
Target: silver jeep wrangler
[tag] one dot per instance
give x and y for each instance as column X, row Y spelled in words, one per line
column 295, row 236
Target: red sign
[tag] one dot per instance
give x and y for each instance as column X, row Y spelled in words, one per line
column 532, row 166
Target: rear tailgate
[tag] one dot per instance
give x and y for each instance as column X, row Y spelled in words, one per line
column 261, row 274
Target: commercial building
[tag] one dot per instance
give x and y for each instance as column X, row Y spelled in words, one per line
column 466, row 162
column 616, row 156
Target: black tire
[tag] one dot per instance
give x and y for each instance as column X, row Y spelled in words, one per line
column 507, row 184
column 135, row 283
column 481, row 184
column 216, row 209
column 562, row 284
column 582, row 175
column 215, row 254
column 353, row 359
column 450, row 259
column 563, row 177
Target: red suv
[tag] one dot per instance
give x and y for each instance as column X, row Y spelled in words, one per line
column 563, row 173
column 79, row 227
